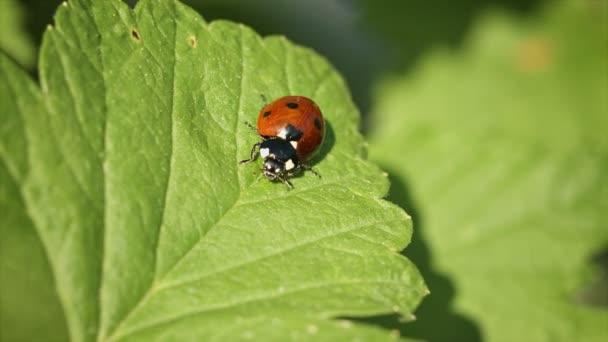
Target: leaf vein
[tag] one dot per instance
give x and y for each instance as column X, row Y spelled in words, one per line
column 269, row 295
column 270, row 255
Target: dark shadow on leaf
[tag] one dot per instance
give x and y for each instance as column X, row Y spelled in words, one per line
column 596, row 292
column 436, row 321
column 328, row 143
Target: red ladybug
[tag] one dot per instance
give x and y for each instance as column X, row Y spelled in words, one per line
column 292, row 130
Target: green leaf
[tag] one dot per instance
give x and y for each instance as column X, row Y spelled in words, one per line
column 14, row 39
column 503, row 148
column 125, row 166
column 29, row 306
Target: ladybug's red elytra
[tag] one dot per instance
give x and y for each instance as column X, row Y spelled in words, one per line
column 292, row 130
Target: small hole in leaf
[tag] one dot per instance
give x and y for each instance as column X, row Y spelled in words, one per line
column 192, row 41
column 135, row 35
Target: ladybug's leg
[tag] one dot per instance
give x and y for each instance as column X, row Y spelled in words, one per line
column 264, row 100
column 309, row 168
column 286, row 182
column 254, row 154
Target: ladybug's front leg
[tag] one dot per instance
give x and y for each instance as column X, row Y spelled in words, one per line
column 286, row 182
column 254, row 154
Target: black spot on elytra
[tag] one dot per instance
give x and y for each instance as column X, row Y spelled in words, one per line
column 318, row 123
column 266, row 113
column 135, row 34
column 292, row 105
column 293, row 134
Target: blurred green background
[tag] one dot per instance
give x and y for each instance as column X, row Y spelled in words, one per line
column 490, row 118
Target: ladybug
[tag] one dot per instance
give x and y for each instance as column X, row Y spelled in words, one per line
column 292, row 130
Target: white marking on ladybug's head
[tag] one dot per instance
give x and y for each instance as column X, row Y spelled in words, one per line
column 277, row 170
column 283, row 134
column 294, row 144
column 264, row 152
column 289, row 165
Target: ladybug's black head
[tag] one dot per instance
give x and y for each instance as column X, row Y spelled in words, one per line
column 280, row 158
column 273, row 168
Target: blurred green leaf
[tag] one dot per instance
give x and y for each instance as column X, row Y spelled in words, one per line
column 123, row 169
column 501, row 151
column 14, row 39
column 412, row 28
column 29, row 306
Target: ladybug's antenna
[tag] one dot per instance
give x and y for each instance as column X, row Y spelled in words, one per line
column 250, row 126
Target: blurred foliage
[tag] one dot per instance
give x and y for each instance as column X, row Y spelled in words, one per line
column 13, row 38
column 499, row 153
column 410, row 28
